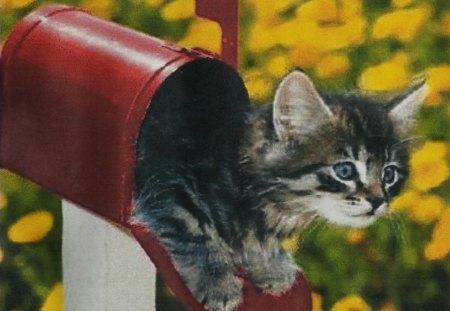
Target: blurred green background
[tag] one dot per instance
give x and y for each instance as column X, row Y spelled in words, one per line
column 400, row 263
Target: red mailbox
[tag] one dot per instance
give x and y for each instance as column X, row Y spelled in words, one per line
column 75, row 92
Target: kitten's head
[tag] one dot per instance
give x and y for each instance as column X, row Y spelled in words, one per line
column 342, row 157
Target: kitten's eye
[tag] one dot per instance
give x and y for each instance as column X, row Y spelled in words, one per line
column 345, row 170
column 389, row 174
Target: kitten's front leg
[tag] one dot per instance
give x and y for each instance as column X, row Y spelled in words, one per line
column 271, row 269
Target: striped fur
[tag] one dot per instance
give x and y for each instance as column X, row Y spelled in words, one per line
column 220, row 183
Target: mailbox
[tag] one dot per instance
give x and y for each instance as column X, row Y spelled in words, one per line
column 75, row 93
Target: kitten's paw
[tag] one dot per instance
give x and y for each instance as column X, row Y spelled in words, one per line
column 277, row 280
column 220, row 294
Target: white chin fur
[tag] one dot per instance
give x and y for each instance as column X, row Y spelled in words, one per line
column 335, row 211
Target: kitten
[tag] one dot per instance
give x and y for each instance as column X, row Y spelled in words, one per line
column 220, row 182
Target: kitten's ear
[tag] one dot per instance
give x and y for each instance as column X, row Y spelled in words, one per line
column 404, row 110
column 298, row 109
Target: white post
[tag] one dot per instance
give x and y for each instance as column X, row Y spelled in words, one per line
column 104, row 269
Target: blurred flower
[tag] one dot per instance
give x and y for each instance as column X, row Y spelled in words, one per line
column 54, row 300
column 390, row 75
column 306, row 56
column 445, row 24
column 15, row 4
column 401, row 3
column 101, row 8
column 401, row 24
column 154, row 3
column 31, row 228
column 1, row 255
column 3, row 200
column 178, row 9
column 203, row 34
column 426, row 209
column 259, row 87
column 429, row 166
column 277, row 65
column 266, row 11
column 332, row 65
column 291, row 244
column 439, row 246
column 405, row 200
column 319, row 10
column 316, row 302
column 438, row 82
column 351, row 303
column 355, row 236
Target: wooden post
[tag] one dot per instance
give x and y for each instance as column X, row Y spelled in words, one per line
column 104, row 269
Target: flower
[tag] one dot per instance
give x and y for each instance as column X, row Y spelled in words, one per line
column 429, row 166
column 204, row 34
column 402, row 24
column 316, row 302
column 319, row 10
column 54, row 300
column 15, row 4
column 332, row 65
column 405, row 200
column 439, row 246
column 277, row 65
column 355, row 236
column 101, row 8
column 259, row 86
column 178, row 9
column 388, row 307
column 266, row 11
column 31, row 228
column 438, row 82
column 390, row 75
column 426, row 209
column 351, row 303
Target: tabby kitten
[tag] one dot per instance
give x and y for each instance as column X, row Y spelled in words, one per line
column 221, row 187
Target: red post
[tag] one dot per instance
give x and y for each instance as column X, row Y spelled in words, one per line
column 226, row 13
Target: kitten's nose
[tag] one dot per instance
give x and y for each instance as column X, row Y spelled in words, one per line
column 376, row 202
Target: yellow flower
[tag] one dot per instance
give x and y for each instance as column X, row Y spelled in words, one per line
column 291, row 244
column 390, row 75
column 356, row 236
column 439, row 246
column 426, row 209
column 15, row 4
column 203, row 34
column 332, row 65
column 438, row 82
column 178, row 9
column 306, row 56
column 405, row 200
column 351, row 303
column 261, row 37
column 401, row 3
column 445, row 24
column 278, row 65
column 401, row 24
column 31, row 228
column 316, row 302
column 429, row 166
column 259, row 86
column 54, row 300
column 267, row 11
column 101, row 8
column 319, row 10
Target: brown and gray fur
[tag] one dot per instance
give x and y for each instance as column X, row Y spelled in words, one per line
column 221, row 182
